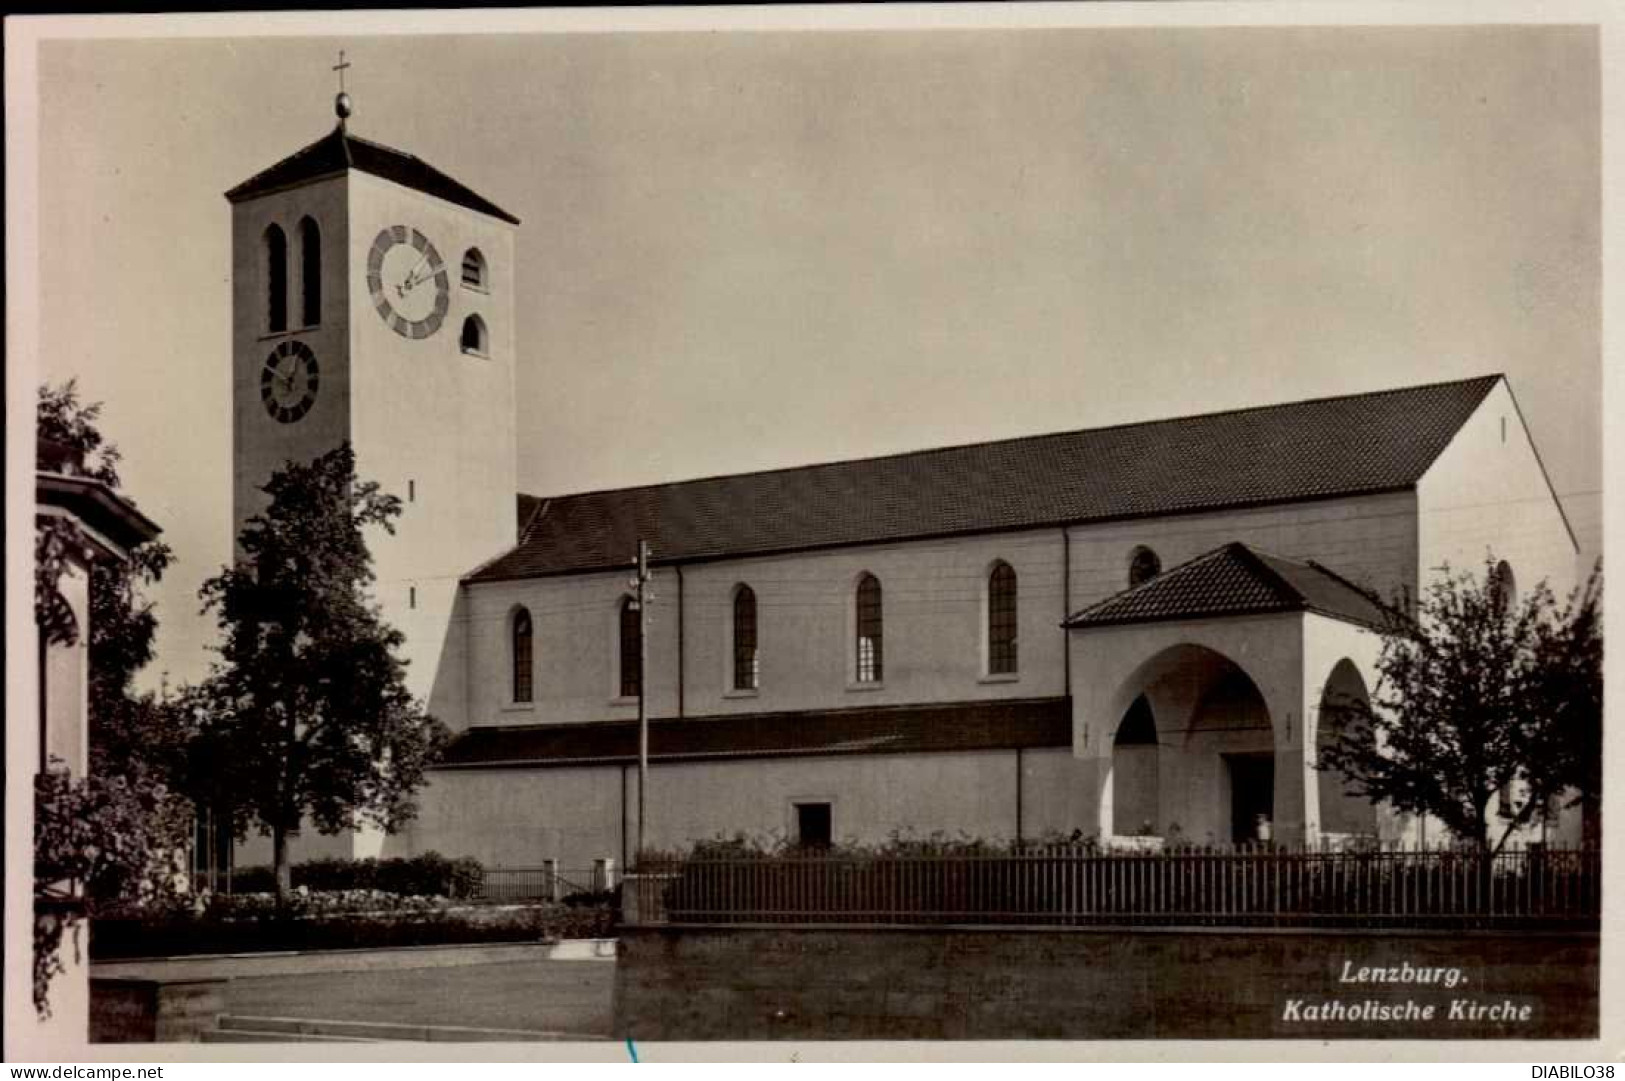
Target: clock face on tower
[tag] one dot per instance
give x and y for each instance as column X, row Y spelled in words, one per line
column 289, row 381
column 409, row 284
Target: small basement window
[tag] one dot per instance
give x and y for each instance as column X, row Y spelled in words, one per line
column 813, row 825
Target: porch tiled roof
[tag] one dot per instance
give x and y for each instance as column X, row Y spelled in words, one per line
column 1373, row 442
column 1006, row 724
column 1234, row 580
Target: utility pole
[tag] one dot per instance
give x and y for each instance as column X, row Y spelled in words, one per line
column 641, row 582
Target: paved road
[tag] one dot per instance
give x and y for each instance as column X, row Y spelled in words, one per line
column 553, row 996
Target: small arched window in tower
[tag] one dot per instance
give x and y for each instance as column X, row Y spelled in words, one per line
column 276, row 279
column 631, row 649
column 474, row 270
column 310, row 272
column 475, row 340
column 745, row 661
column 1001, row 620
column 1504, row 585
column 521, row 656
column 871, row 657
column 1143, row 566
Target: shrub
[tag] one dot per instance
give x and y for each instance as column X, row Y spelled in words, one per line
column 428, row 875
column 326, row 922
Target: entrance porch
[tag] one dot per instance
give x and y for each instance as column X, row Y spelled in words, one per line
column 1202, row 697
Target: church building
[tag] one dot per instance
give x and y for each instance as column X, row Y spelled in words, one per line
column 1132, row 632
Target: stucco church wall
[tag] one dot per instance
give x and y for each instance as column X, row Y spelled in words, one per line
column 1486, row 493
column 934, row 633
column 1367, row 539
column 870, row 796
column 519, row 817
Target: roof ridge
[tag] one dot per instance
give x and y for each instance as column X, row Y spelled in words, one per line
column 1369, row 594
column 1260, row 565
column 1032, row 437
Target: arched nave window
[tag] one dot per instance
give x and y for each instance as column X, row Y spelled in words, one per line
column 744, row 627
column 1001, row 620
column 631, row 649
column 522, row 689
column 871, row 656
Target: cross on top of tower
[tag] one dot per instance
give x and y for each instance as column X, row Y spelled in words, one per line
column 341, row 104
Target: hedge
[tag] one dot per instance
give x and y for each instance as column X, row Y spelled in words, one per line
column 428, row 875
column 182, row 934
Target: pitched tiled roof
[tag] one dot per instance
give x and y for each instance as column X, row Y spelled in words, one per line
column 1234, row 580
column 339, row 150
column 960, row 726
column 1332, row 446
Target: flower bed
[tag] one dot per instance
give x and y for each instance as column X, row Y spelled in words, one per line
column 335, row 920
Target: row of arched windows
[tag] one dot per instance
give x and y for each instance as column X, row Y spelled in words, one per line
column 869, row 651
column 309, row 236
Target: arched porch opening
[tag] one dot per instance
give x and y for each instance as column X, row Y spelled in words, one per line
column 1343, row 814
column 1201, row 721
column 1135, row 798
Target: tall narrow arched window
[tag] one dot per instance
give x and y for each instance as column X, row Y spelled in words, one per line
column 522, row 691
column 871, row 656
column 474, row 273
column 310, row 272
column 474, row 337
column 1143, row 566
column 1001, row 620
column 745, row 669
column 276, row 279
column 631, row 649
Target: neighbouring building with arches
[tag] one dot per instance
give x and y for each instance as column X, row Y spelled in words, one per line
column 1128, row 632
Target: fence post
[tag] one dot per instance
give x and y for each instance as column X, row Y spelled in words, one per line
column 603, row 875
column 550, row 888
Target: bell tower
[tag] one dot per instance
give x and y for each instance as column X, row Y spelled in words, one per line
column 372, row 301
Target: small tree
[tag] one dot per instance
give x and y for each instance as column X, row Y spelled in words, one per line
column 309, row 716
column 1478, row 693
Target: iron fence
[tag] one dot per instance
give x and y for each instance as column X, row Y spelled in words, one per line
column 1068, row 885
column 514, row 885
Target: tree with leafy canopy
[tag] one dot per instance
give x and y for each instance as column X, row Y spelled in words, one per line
column 308, row 715
column 112, row 837
column 1480, row 694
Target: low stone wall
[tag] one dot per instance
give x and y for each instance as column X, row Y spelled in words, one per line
column 131, row 1010
column 757, row 982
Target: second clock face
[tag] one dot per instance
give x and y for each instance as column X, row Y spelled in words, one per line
column 408, row 282
column 289, row 381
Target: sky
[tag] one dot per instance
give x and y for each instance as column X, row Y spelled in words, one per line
column 750, row 250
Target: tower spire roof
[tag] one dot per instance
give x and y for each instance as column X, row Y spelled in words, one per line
column 339, row 151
